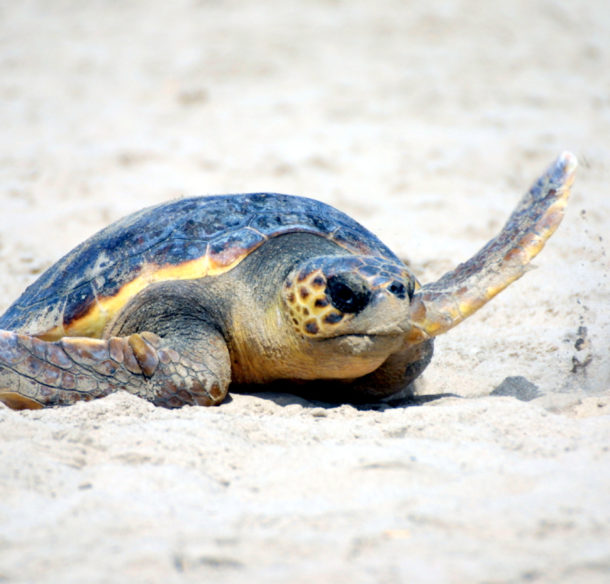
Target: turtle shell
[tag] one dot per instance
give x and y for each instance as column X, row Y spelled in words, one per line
column 183, row 239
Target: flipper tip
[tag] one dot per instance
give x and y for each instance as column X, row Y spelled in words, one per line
column 567, row 163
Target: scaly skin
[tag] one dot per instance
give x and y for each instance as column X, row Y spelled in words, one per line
column 36, row 373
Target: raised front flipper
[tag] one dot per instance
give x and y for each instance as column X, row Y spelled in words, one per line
column 440, row 305
column 36, row 373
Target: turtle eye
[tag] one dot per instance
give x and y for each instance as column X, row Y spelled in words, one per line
column 347, row 293
column 401, row 291
column 398, row 289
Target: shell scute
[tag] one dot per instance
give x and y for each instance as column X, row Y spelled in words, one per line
column 217, row 222
column 275, row 221
column 346, row 237
column 233, row 245
column 78, row 303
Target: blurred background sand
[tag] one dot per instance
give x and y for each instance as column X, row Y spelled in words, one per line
column 426, row 121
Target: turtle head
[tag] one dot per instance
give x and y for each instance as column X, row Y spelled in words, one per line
column 339, row 296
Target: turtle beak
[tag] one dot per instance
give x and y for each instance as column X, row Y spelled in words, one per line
column 417, row 325
column 389, row 315
column 424, row 320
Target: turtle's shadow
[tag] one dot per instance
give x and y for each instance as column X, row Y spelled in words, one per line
column 288, row 398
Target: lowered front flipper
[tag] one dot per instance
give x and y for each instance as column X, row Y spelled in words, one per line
column 36, row 373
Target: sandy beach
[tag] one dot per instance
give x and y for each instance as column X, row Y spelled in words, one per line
column 424, row 121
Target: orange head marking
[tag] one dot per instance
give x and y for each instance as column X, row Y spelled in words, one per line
column 325, row 294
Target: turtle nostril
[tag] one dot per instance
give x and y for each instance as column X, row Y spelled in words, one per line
column 411, row 289
column 398, row 289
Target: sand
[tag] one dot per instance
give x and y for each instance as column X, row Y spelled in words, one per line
column 425, row 121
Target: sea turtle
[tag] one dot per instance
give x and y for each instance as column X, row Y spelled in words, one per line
column 177, row 301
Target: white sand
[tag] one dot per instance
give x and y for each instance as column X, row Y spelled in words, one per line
column 426, row 121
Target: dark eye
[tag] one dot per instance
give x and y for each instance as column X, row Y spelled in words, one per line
column 398, row 289
column 348, row 293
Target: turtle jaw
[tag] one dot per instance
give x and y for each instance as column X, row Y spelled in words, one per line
column 351, row 356
column 367, row 341
column 424, row 321
column 374, row 345
column 351, row 348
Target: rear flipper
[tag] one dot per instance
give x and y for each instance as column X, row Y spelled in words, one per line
column 440, row 305
column 36, row 373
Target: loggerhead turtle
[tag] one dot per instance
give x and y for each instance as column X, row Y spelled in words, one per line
column 177, row 301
